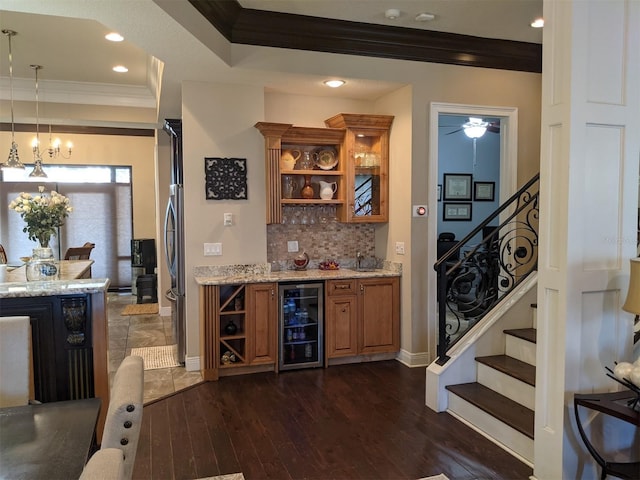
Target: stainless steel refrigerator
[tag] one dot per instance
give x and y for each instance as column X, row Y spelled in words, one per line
column 174, row 254
column 174, row 238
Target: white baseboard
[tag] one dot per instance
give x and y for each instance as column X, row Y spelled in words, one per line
column 192, row 364
column 413, row 359
column 165, row 311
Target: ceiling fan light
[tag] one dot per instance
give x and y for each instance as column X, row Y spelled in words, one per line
column 475, row 131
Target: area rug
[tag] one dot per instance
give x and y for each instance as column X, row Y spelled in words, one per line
column 442, row 476
column 229, row 476
column 157, row 357
column 140, row 309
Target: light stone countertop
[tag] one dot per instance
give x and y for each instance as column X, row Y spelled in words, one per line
column 13, row 282
column 261, row 273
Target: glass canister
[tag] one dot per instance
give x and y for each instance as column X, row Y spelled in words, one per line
column 42, row 266
column 307, row 162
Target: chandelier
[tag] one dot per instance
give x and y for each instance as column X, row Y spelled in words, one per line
column 13, row 161
column 54, row 147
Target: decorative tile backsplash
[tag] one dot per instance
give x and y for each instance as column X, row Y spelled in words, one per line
column 321, row 241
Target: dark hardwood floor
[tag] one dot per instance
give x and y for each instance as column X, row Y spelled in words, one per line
column 362, row 421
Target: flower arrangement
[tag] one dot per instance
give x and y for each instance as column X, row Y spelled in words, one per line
column 43, row 214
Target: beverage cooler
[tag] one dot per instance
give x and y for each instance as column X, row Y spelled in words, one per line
column 301, row 326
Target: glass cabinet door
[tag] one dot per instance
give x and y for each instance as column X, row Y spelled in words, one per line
column 368, row 202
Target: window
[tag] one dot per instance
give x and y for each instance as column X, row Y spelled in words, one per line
column 102, row 214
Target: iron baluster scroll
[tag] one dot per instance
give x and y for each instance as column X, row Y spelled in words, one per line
column 225, row 178
column 472, row 282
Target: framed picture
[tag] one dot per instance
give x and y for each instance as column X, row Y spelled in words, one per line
column 457, row 186
column 456, row 212
column 439, row 192
column 484, row 191
column 225, row 178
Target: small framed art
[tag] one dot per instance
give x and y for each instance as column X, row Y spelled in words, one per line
column 439, row 192
column 456, row 212
column 457, row 186
column 484, row 191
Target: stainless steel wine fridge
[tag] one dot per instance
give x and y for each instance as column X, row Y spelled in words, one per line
column 301, row 326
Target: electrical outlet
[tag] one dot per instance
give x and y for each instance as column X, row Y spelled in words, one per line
column 400, row 248
column 212, row 249
column 292, row 246
column 228, row 219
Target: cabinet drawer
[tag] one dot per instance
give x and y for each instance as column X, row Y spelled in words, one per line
column 341, row 287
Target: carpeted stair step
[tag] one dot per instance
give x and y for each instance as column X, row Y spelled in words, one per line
column 510, row 366
column 498, row 406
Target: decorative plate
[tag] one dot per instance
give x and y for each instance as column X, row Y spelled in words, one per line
column 326, row 159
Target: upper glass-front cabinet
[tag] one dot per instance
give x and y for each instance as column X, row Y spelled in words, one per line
column 367, row 166
column 339, row 172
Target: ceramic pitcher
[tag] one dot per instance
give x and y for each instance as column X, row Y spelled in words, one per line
column 327, row 189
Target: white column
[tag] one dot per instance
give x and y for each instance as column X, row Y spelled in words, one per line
column 589, row 199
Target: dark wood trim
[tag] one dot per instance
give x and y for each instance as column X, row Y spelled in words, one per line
column 301, row 32
column 129, row 132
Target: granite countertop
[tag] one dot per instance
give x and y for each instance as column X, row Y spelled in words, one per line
column 262, row 273
column 13, row 282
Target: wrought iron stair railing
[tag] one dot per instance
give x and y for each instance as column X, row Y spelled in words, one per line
column 474, row 276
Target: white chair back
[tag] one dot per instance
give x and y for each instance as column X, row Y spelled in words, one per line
column 124, row 416
column 15, row 361
column 105, row 464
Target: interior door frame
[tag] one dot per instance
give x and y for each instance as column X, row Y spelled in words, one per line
column 508, row 185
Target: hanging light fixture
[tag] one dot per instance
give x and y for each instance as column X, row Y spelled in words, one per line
column 37, row 158
column 13, row 161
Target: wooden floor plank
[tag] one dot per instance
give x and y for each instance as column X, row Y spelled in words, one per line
column 363, row 421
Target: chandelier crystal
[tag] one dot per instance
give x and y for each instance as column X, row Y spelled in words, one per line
column 13, row 160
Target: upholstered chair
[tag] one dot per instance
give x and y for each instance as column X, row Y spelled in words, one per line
column 105, row 464
column 124, row 416
column 15, row 361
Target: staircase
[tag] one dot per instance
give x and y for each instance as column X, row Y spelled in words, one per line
column 500, row 403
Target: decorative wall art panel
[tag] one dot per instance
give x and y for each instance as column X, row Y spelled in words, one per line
column 225, row 178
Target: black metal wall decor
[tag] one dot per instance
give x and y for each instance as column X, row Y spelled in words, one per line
column 225, row 178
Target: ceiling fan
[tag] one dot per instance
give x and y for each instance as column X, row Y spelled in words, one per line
column 476, row 127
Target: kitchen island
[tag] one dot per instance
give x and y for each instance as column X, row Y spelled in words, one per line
column 361, row 316
column 68, row 330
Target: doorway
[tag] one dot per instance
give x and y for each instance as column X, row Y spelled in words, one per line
column 507, row 180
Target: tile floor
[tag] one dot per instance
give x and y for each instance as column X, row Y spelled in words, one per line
column 131, row 331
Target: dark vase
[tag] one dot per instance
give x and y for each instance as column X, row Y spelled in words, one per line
column 231, row 328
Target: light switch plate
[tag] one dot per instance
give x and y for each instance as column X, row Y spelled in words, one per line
column 212, row 249
column 292, row 246
column 228, row 219
column 400, row 248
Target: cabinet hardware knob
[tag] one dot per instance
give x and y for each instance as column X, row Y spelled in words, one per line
column 342, row 287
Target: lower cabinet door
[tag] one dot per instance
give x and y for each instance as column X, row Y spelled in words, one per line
column 262, row 310
column 379, row 315
column 341, row 334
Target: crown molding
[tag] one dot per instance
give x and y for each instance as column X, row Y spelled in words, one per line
column 58, row 91
column 273, row 29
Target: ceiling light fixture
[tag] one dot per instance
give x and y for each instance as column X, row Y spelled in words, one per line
column 425, row 17
column 37, row 158
column 538, row 23
column 120, row 69
column 334, row 83
column 13, row 161
column 114, row 37
column 392, row 13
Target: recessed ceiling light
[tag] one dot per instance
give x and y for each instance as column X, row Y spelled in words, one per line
column 538, row 23
column 334, row 83
column 120, row 69
column 392, row 13
column 425, row 17
column 114, row 37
